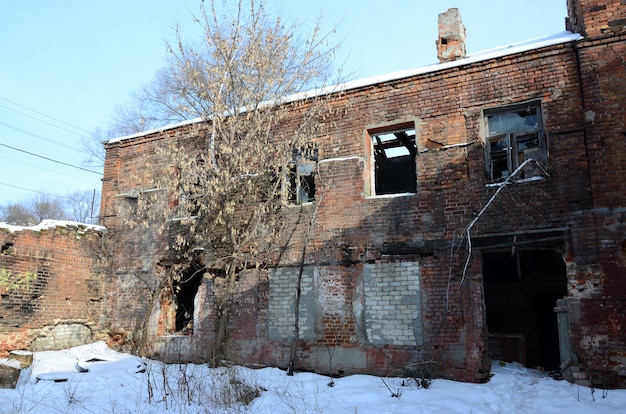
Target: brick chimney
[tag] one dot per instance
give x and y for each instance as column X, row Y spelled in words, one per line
column 451, row 41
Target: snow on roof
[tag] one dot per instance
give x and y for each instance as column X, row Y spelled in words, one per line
column 532, row 44
column 48, row 224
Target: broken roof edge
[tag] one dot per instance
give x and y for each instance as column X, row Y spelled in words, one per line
column 48, row 224
column 501, row 51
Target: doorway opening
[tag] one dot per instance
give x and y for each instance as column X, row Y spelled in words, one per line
column 521, row 290
column 185, row 291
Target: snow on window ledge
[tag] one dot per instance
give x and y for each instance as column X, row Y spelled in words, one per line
column 520, row 181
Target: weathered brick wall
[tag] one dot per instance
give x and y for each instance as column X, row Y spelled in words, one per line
column 52, row 293
column 595, row 18
column 600, row 316
column 359, row 240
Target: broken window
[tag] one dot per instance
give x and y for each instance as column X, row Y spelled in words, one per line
column 300, row 180
column 394, row 159
column 513, row 136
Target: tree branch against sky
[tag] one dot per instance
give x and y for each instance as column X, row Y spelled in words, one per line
column 79, row 206
column 90, row 69
column 228, row 183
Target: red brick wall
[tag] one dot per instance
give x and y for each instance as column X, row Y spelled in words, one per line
column 594, row 18
column 579, row 86
column 603, row 80
column 446, row 108
column 50, row 277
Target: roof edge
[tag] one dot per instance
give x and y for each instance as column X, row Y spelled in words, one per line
column 511, row 49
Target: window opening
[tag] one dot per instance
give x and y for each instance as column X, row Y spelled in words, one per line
column 300, row 180
column 394, row 161
column 514, row 136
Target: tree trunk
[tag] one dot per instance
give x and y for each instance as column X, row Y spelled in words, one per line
column 296, row 324
column 224, row 306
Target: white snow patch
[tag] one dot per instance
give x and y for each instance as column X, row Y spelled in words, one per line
column 117, row 382
column 339, row 159
column 48, row 224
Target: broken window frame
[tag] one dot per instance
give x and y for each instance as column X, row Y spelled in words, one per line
column 507, row 148
column 299, row 180
column 383, row 149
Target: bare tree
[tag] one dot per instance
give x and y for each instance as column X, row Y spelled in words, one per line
column 77, row 206
column 126, row 120
column 82, row 206
column 232, row 187
column 17, row 214
column 43, row 206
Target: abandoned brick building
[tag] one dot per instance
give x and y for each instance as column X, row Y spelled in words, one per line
column 469, row 210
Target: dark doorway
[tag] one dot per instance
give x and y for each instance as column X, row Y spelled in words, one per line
column 186, row 290
column 521, row 290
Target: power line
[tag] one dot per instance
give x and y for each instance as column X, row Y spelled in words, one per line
column 47, row 116
column 50, row 159
column 38, row 192
column 39, row 136
column 47, row 169
column 42, row 121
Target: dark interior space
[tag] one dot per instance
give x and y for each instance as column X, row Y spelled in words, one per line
column 186, row 290
column 395, row 175
column 521, row 290
column 394, row 161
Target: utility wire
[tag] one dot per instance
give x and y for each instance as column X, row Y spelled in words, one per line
column 47, row 116
column 39, row 136
column 42, row 121
column 38, row 192
column 50, row 159
column 47, row 169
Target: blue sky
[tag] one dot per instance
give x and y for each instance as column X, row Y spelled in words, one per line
column 66, row 64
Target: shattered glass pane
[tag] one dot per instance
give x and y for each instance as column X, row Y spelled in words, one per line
column 514, row 121
column 514, row 137
column 301, row 183
column 528, row 147
column 499, row 151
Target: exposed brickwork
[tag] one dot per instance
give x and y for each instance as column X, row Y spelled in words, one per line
column 48, row 281
column 392, row 280
column 595, row 18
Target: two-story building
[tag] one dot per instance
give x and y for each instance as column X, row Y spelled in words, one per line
column 468, row 210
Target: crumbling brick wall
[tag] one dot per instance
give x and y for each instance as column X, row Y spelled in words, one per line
column 600, row 301
column 354, row 230
column 574, row 208
column 52, row 294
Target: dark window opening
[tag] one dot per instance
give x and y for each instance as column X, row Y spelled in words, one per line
column 185, row 290
column 514, row 136
column 5, row 247
column 521, row 290
column 300, row 180
column 394, row 161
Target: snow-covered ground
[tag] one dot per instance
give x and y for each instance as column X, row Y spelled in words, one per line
column 113, row 382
